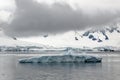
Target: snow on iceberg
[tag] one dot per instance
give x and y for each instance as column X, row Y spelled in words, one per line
column 65, row 58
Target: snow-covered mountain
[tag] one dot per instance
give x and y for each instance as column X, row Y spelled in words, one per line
column 12, row 44
column 107, row 35
column 102, row 34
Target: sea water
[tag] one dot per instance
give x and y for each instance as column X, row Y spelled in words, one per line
column 11, row 69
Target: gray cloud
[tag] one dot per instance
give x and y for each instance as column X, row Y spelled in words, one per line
column 32, row 18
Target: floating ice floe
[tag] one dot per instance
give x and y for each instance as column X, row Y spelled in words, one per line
column 69, row 57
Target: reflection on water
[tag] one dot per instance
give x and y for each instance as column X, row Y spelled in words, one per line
column 7, row 68
column 109, row 69
column 56, row 71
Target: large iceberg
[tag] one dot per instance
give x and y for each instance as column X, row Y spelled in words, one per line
column 69, row 57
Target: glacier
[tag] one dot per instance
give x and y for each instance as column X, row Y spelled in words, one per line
column 68, row 57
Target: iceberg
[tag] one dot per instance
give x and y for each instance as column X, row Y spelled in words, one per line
column 69, row 57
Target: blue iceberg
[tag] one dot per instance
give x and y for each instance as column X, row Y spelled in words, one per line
column 64, row 58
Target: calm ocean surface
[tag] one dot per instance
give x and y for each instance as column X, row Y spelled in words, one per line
column 109, row 69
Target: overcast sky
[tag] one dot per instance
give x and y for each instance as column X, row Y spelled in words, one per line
column 27, row 18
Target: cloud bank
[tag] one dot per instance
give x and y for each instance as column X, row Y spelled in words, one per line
column 32, row 18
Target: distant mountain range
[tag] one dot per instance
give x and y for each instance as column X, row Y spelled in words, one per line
column 107, row 35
